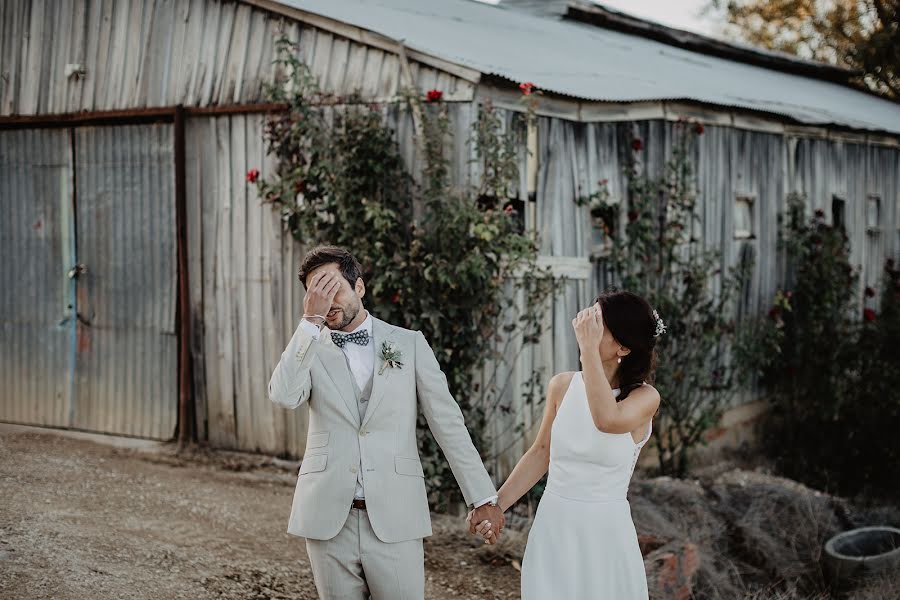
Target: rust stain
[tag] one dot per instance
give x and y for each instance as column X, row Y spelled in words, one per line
column 83, row 336
column 82, row 331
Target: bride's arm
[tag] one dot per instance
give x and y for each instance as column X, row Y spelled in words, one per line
column 609, row 416
column 535, row 462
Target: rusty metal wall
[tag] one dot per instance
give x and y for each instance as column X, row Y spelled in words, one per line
column 36, row 321
column 126, row 344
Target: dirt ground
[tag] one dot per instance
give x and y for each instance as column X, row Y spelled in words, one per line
column 81, row 520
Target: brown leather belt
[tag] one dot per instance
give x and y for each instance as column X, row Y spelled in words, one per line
column 359, row 503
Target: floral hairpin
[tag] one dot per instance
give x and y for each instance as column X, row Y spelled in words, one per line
column 660, row 326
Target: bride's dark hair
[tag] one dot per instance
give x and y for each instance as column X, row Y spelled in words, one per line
column 630, row 320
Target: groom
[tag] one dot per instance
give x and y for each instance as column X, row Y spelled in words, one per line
column 360, row 499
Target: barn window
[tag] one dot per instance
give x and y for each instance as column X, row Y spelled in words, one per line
column 837, row 213
column 873, row 212
column 743, row 217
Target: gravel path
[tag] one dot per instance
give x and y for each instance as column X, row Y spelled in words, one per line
column 82, row 520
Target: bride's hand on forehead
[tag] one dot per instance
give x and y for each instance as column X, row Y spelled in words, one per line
column 588, row 325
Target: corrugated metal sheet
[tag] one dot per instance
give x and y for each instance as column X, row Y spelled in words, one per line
column 247, row 300
column 245, row 295
column 36, row 325
column 126, row 345
column 139, row 54
column 596, row 64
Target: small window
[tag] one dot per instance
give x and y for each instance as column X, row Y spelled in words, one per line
column 743, row 217
column 837, row 213
column 873, row 212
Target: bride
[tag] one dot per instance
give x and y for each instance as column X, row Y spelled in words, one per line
column 582, row 543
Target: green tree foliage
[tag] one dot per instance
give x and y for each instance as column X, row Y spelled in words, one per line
column 861, row 34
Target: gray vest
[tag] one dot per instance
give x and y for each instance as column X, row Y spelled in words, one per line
column 362, row 396
column 362, row 402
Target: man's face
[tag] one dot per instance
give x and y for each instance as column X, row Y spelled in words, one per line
column 347, row 302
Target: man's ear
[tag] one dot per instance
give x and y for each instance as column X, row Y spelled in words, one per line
column 360, row 287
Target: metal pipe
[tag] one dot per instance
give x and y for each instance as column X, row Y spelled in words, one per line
column 131, row 116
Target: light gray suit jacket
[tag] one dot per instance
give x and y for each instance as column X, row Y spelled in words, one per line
column 315, row 372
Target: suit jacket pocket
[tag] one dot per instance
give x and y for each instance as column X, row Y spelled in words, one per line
column 408, row 466
column 314, row 463
column 317, row 440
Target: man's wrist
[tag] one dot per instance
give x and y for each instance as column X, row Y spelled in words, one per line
column 489, row 501
column 311, row 328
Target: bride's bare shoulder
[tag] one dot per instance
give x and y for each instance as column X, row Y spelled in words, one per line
column 558, row 385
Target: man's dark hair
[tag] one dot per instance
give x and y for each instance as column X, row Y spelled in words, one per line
column 323, row 255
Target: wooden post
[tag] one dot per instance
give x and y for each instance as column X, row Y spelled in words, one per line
column 186, row 431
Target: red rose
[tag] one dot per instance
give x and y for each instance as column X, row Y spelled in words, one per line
column 252, row 175
column 774, row 312
column 509, row 209
column 870, row 293
column 395, row 298
column 637, row 145
column 820, row 213
column 632, row 216
column 434, row 95
column 603, row 182
column 869, row 315
column 698, row 129
column 527, row 87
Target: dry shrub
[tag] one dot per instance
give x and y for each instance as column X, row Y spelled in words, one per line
column 778, row 526
column 880, row 588
column 760, row 537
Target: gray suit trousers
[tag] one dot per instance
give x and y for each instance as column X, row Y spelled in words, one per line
column 356, row 565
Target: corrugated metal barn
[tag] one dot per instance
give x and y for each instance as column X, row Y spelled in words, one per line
column 149, row 288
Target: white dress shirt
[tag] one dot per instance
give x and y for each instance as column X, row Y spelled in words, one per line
column 361, row 360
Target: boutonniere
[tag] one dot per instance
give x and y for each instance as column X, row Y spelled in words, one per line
column 390, row 357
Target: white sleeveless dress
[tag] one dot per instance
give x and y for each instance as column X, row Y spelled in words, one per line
column 583, row 544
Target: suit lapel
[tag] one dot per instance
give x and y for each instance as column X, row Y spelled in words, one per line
column 336, row 366
column 381, row 332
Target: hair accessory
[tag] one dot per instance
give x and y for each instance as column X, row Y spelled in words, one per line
column 660, row 326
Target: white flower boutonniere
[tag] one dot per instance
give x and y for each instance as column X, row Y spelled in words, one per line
column 390, row 357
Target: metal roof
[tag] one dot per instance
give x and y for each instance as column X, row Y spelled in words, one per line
column 584, row 61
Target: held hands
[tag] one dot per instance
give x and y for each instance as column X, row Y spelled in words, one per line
column 588, row 326
column 486, row 521
column 322, row 289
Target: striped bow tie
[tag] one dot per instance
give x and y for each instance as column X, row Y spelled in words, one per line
column 357, row 337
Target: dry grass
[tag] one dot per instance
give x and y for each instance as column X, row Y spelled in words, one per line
column 760, row 536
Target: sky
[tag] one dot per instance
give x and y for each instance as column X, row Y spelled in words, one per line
column 683, row 14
